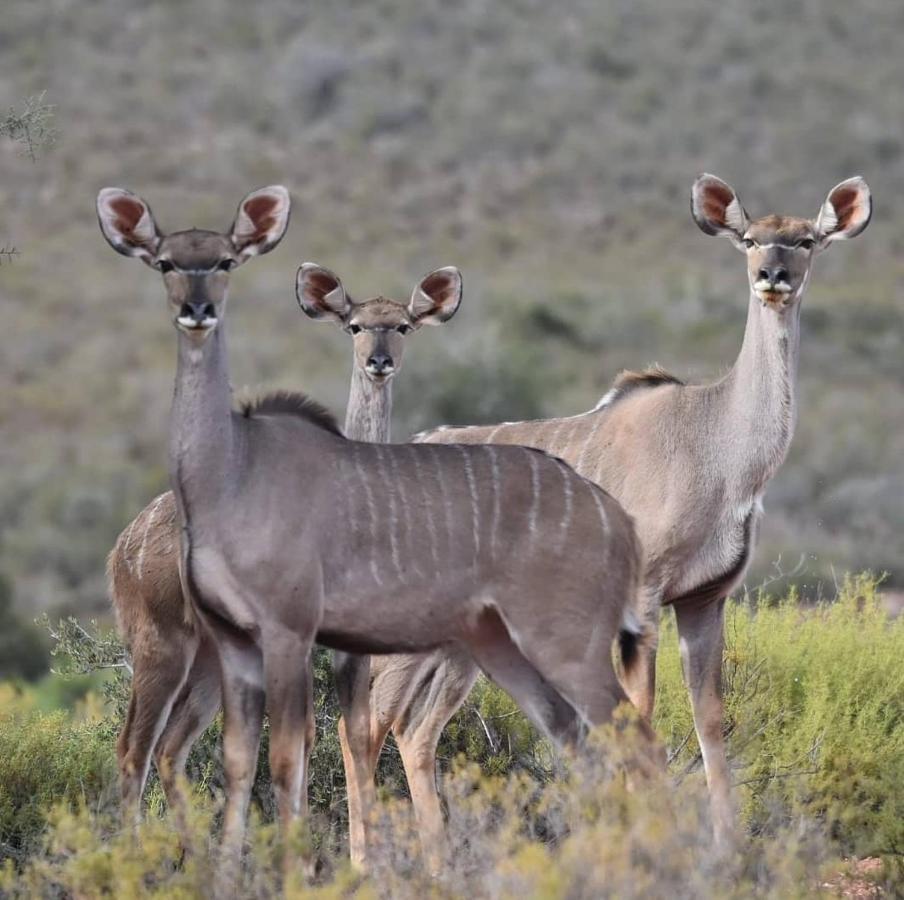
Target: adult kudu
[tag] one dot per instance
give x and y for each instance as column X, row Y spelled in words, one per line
column 688, row 462
column 175, row 689
column 291, row 532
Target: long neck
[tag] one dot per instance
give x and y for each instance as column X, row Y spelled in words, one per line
column 760, row 395
column 201, row 426
column 368, row 416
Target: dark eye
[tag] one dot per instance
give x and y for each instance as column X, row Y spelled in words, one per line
column 354, row 329
column 749, row 243
column 165, row 266
column 404, row 328
column 806, row 244
column 224, row 265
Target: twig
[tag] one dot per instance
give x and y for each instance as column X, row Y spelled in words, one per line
column 677, row 751
column 486, row 730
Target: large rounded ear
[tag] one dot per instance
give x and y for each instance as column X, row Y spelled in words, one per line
column 261, row 221
column 320, row 293
column 128, row 223
column 436, row 297
column 846, row 212
column 717, row 209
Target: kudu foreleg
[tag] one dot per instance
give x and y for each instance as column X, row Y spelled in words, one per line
column 242, row 680
column 701, row 642
column 290, row 706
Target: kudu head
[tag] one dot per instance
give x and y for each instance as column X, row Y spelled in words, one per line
column 378, row 326
column 195, row 264
column 780, row 249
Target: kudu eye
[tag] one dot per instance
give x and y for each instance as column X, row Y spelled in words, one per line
column 749, row 243
column 806, row 244
column 164, row 265
column 224, row 265
column 404, row 328
column 354, row 329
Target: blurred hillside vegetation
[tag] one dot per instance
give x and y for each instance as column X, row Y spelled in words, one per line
column 546, row 149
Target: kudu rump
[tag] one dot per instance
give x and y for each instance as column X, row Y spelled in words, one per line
column 176, row 678
column 689, row 463
column 291, row 532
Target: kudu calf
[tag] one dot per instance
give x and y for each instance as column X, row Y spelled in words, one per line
column 175, row 689
column 291, row 532
column 689, row 463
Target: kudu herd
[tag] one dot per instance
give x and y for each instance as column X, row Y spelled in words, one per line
column 525, row 549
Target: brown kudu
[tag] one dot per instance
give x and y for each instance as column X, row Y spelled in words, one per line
column 689, row 463
column 291, row 532
column 175, row 689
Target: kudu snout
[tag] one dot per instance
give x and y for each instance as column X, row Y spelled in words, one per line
column 197, row 314
column 773, row 275
column 380, row 364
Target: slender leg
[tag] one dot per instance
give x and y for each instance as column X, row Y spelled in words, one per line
column 360, row 747
column 443, row 683
column 498, row 655
column 194, row 709
column 287, row 669
column 701, row 641
column 158, row 674
column 242, row 679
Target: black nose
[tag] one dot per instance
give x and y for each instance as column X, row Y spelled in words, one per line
column 379, row 362
column 198, row 311
column 776, row 275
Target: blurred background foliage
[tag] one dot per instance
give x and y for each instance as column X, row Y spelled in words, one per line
column 546, row 149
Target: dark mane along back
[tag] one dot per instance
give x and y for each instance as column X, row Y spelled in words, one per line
column 290, row 403
column 627, row 381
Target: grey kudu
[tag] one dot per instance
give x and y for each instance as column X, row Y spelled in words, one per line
column 291, row 532
column 688, row 462
column 176, row 679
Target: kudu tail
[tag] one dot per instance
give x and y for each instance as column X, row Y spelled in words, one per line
column 631, row 638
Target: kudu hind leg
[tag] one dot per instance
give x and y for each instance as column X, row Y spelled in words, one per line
column 442, row 684
column 701, row 642
column 499, row 656
column 157, row 677
column 194, row 709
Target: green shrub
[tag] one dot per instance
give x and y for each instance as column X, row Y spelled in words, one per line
column 814, row 726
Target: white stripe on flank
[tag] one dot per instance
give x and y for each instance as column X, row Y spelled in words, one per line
column 475, row 509
column 494, row 525
column 595, row 491
column 565, row 524
column 144, row 540
column 494, row 432
column 437, row 462
column 427, row 505
column 393, row 517
column 411, row 558
column 372, row 512
column 535, row 494
column 588, row 443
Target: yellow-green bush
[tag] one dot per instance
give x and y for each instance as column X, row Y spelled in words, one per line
column 814, row 709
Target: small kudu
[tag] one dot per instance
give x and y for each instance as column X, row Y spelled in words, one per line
column 176, row 679
column 291, row 532
column 689, row 463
